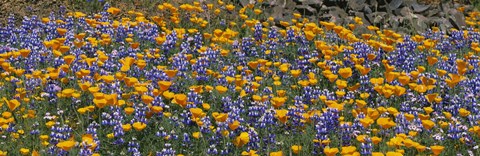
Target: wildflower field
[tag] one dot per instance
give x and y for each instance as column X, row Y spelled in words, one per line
column 214, row 78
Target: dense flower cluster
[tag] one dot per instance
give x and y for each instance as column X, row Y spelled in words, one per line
column 198, row 79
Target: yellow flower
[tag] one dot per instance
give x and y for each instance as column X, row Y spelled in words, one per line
column 296, row 73
column 110, row 135
column 24, row 52
column 241, row 140
column 282, row 115
column 197, row 113
column 216, row 11
column 463, row 112
column 431, row 97
column 420, row 148
column 250, row 153
column 12, row 104
column 428, row 124
column 66, row 145
column 196, row 135
column 278, row 101
column 366, row 122
column 234, row 125
column 108, row 78
column 6, row 115
column 147, row 99
column 385, row 122
column 113, row 10
column 168, row 95
column 376, row 140
column 437, row 149
column 278, row 153
column 3, row 153
column 454, row 80
column 35, row 153
column 391, row 153
column 206, row 106
column 221, row 89
column 61, row 31
column 139, row 126
column 330, row 151
column 377, row 81
column 24, row 151
column 296, row 149
column 164, row 85
column 432, row 60
column 129, row 110
column 87, row 139
column 68, row 92
column 127, row 127
column 181, row 99
column 257, row 11
column 360, row 103
column 230, row 7
column 309, row 35
column 220, row 117
column 284, row 67
column 409, row 117
column 377, row 154
column 428, row 110
column 348, row 150
column 156, row 109
column 44, row 137
column 404, row 80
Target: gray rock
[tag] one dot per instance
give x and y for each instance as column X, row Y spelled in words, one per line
column 405, row 11
column 370, row 18
column 339, row 11
column 338, row 15
column 361, row 30
column 420, row 23
column 367, row 10
column 378, row 19
column 324, row 8
column 364, row 19
column 441, row 14
column 246, row 2
column 374, row 4
column 437, row 21
column 457, row 19
column 394, row 4
column 312, row 2
column 278, row 12
column 325, row 17
column 379, row 14
column 356, row 4
column 445, row 6
column 306, row 9
column 432, row 12
column 394, row 22
column 403, row 30
column 469, row 8
column 445, row 24
column 418, row 8
column 289, row 4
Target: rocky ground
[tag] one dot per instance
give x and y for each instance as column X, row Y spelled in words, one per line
column 405, row 16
